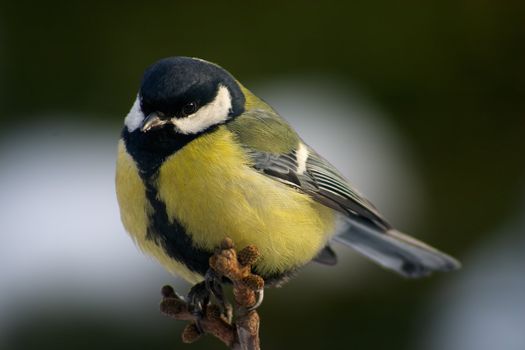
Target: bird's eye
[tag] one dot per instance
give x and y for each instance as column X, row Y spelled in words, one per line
column 189, row 108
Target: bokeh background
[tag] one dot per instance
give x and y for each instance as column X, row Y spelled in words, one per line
column 421, row 105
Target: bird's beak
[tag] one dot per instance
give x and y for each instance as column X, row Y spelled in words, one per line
column 153, row 121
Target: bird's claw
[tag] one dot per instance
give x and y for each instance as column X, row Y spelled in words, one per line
column 200, row 294
column 214, row 286
column 198, row 299
column 259, row 297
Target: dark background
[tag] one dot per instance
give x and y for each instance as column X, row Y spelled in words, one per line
column 449, row 75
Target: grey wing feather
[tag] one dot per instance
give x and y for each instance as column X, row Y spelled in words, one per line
column 280, row 166
column 332, row 188
column 368, row 232
column 321, row 181
column 396, row 251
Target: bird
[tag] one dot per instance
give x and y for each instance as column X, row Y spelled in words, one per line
column 201, row 158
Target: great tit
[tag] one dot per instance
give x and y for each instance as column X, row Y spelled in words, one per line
column 201, row 158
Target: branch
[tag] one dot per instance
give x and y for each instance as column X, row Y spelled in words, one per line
column 243, row 333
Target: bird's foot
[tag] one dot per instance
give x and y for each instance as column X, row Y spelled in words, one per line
column 200, row 295
column 198, row 301
column 214, row 286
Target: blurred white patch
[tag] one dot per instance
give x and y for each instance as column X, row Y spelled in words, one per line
column 483, row 308
column 60, row 230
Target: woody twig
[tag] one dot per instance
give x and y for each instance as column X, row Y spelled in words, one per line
column 243, row 331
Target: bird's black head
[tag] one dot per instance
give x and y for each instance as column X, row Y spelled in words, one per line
column 189, row 94
column 179, row 98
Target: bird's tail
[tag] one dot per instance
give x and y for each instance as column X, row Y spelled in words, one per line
column 396, row 251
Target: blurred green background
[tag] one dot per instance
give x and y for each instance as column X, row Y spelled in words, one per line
column 448, row 78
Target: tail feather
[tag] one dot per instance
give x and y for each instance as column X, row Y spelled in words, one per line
column 396, row 251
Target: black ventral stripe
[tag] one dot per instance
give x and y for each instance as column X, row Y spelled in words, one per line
column 172, row 236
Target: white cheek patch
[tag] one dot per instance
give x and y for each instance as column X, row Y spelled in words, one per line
column 135, row 116
column 301, row 157
column 213, row 113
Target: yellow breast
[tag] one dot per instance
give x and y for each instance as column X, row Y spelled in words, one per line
column 211, row 189
column 135, row 211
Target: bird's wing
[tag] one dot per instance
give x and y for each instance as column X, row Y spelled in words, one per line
column 276, row 151
column 307, row 171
